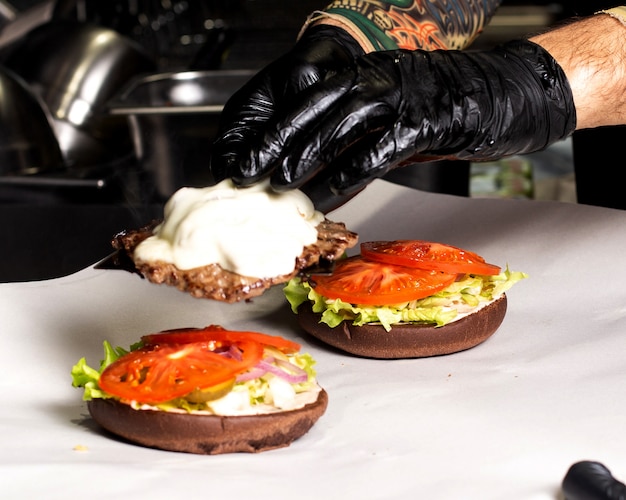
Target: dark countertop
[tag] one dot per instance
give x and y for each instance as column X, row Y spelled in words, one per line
column 44, row 241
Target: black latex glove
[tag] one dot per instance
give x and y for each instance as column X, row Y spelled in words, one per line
column 390, row 106
column 322, row 50
column 592, row 481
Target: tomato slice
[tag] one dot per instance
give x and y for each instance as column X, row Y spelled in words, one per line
column 427, row 255
column 359, row 281
column 219, row 335
column 162, row 372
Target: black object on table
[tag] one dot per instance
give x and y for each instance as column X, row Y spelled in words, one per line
column 588, row 480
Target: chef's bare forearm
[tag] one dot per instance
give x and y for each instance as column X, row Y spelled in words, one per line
column 409, row 24
column 592, row 52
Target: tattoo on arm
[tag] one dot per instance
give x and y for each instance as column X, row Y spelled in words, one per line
column 414, row 24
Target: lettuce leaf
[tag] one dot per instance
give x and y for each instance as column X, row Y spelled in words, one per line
column 464, row 295
column 258, row 389
column 87, row 377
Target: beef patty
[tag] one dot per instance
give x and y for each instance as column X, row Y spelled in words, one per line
column 214, row 282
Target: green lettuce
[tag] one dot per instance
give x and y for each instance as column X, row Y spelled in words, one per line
column 439, row 309
column 86, row 377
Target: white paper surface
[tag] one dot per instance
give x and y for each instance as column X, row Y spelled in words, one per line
column 503, row 420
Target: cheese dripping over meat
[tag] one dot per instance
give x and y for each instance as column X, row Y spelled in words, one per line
column 252, row 231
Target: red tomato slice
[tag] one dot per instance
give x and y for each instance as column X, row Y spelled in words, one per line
column 159, row 373
column 427, row 255
column 217, row 334
column 359, row 281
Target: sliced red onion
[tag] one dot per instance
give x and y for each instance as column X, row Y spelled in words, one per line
column 287, row 371
column 256, row 372
column 283, row 369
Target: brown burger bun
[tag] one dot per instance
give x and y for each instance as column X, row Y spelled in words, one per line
column 206, row 434
column 406, row 340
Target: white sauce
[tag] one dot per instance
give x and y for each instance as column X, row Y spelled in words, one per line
column 252, row 231
column 237, row 404
column 465, row 310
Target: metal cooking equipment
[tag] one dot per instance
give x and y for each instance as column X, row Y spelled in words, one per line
column 174, row 119
column 76, row 68
column 27, row 142
column 181, row 35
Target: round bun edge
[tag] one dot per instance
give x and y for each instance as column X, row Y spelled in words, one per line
column 407, row 340
column 206, row 434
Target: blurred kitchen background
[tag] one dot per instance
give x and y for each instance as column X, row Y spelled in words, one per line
column 116, row 101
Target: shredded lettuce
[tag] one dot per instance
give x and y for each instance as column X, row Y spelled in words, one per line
column 463, row 295
column 258, row 390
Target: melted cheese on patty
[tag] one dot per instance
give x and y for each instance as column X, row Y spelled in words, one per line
column 252, row 231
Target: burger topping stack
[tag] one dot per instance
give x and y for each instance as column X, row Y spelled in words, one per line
column 206, row 391
column 206, row 371
column 403, row 281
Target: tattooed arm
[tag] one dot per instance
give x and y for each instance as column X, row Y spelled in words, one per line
column 409, row 24
column 330, row 41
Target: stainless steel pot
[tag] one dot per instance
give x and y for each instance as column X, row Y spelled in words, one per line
column 28, row 144
column 76, row 68
column 174, row 119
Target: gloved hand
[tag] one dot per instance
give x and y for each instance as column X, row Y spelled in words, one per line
column 389, row 106
column 592, row 481
column 321, row 50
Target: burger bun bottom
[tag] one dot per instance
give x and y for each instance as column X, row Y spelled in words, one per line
column 206, row 434
column 407, row 340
